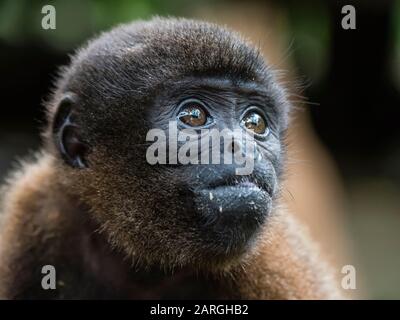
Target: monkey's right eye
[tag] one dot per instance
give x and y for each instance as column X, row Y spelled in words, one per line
column 193, row 113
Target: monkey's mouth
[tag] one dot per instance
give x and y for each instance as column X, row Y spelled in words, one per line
column 241, row 183
column 230, row 215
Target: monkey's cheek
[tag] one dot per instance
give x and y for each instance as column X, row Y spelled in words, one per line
column 230, row 216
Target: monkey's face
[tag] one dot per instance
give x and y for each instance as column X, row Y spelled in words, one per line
column 203, row 211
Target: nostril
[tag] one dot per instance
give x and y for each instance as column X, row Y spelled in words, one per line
column 235, row 147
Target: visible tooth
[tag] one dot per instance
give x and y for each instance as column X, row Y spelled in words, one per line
column 211, row 196
column 220, row 209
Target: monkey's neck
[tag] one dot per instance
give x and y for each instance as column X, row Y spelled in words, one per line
column 286, row 265
column 43, row 225
column 123, row 279
column 120, row 276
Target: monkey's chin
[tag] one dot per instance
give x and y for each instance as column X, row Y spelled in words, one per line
column 230, row 217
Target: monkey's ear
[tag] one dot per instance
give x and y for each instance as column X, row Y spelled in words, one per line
column 66, row 133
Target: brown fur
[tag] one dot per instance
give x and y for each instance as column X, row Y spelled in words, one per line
column 41, row 225
column 116, row 228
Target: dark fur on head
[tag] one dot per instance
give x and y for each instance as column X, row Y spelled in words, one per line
column 112, row 82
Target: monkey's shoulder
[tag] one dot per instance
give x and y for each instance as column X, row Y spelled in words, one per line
column 41, row 226
column 35, row 228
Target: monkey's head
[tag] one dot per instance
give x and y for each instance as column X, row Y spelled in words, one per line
column 146, row 75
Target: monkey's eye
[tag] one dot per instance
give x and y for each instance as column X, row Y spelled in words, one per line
column 255, row 122
column 193, row 114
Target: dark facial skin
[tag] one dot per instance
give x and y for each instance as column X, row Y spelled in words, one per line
column 163, row 214
column 239, row 204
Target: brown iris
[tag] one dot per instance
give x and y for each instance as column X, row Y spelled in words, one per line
column 255, row 122
column 193, row 114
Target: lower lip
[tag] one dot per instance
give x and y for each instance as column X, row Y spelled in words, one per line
column 242, row 185
column 245, row 185
column 234, row 191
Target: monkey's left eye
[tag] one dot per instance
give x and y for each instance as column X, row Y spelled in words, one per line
column 255, row 122
column 194, row 114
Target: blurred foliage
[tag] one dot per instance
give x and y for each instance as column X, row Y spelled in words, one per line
column 78, row 20
column 20, row 20
column 310, row 23
column 395, row 63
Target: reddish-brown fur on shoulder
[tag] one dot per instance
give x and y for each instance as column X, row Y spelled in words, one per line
column 39, row 227
column 116, row 229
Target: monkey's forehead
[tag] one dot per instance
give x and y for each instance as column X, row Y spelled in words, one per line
column 162, row 49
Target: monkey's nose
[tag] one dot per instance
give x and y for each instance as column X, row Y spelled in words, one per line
column 235, row 146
